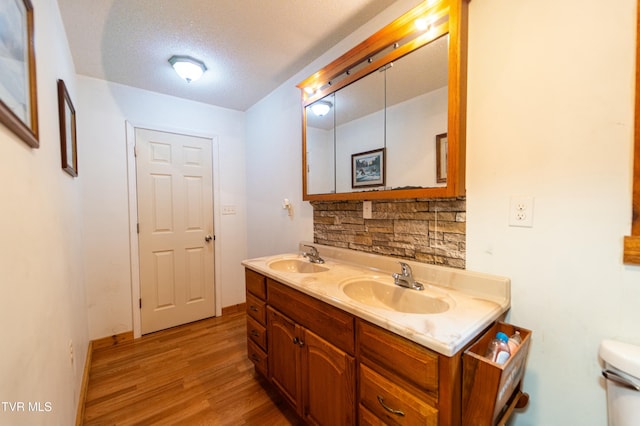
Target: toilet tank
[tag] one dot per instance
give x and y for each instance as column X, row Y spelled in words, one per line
column 622, row 371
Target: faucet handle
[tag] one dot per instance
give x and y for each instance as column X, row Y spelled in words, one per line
column 314, row 251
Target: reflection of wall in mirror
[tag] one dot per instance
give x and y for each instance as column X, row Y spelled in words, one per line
column 320, row 164
column 361, row 135
column 411, row 129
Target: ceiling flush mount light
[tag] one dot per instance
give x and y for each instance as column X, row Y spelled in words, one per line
column 188, row 68
column 321, row 108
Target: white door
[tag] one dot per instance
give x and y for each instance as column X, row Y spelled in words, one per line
column 175, row 217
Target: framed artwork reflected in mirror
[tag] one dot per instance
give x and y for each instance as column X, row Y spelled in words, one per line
column 442, row 150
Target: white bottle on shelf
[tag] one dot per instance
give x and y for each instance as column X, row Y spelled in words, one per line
column 498, row 350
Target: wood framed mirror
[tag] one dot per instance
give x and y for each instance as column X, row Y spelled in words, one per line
column 397, row 91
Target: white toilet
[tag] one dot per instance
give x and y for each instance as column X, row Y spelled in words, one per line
column 622, row 370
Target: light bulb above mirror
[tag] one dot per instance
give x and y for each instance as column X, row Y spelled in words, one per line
column 188, row 68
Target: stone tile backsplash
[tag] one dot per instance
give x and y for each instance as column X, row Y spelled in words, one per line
column 423, row 230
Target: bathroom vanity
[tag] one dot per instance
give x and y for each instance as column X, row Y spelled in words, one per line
column 345, row 345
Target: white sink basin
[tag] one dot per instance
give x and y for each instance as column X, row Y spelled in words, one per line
column 297, row 266
column 378, row 294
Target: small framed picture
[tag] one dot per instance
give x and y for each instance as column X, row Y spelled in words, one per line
column 442, row 156
column 68, row 142
column 367, row 168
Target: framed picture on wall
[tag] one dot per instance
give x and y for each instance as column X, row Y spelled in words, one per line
column 442, row 156
column 18, row 96
column 68, row 142
column 368, row 168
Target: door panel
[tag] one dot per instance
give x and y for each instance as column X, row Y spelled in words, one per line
column 284, row 356
column 175, row 216
column 324, row 366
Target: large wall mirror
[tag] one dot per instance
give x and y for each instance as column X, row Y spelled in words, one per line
column 386, row 120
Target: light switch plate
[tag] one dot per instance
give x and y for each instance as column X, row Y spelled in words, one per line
column 228, row 209
column 366, row 210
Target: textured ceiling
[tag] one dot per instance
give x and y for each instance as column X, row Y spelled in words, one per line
column 250, row 47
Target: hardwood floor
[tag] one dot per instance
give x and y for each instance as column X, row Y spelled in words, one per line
column 195, row 374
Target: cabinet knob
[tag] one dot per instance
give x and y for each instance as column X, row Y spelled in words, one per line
column 298, row 342
column 253, row 308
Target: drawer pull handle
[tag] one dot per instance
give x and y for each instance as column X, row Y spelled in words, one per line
column 389, row 409
column 255, row 357
column 253, row 308
column 254, row 333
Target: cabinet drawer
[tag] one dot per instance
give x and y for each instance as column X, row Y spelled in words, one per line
column 257, row 333
column 412, row 362
column 367, row 418
column 256, row 309
column 328, row 322
column 255, row 283
column 393, row 403
column 257, row 356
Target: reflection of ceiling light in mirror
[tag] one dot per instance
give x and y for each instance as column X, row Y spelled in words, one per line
column 188, row 68
column 321, row 108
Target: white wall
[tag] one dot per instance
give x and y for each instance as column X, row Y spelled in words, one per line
column 274, row 153
column 274, row 168
column 103, row 109
column 550, row 110
column 550, row 115
column 42, row 296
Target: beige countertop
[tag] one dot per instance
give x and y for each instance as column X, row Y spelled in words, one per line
column 475, row 299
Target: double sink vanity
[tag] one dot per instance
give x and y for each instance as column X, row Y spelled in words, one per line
column 346, row 340
column 349, row 337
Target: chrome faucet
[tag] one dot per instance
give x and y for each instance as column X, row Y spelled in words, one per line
column 313, row 255
column 405, row 279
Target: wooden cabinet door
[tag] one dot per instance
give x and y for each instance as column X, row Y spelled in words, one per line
column 328, row 383
column 284, row 356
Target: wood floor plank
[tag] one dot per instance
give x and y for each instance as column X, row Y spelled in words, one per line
column 196, row 374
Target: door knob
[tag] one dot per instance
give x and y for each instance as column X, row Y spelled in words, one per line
column 208, row 238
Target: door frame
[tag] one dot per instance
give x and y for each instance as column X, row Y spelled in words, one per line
column 133, row 216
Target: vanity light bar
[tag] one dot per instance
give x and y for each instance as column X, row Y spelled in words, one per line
column 419, row 26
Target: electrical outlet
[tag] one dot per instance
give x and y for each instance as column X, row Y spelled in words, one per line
column 521, row 212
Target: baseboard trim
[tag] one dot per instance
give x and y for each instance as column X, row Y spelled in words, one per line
column 84, row 386
column 240, row 307
column 114, row 340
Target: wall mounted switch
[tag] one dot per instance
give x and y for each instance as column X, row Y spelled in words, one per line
column 366, row 210
column 228, row 209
